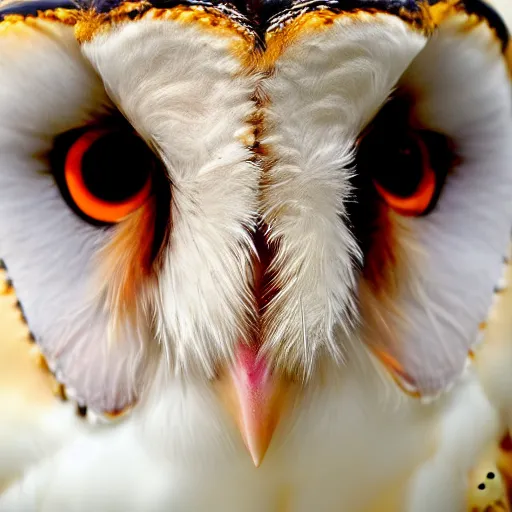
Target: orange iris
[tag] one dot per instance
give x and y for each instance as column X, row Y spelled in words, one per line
column 417, row 202
column 98, row 208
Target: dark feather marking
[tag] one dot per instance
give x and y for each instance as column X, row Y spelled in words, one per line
column 20, row 307
column 260, row 15
column 81, row 410
column 495, row 21
column 484, row 10
column 33, row 8
column 275, row 12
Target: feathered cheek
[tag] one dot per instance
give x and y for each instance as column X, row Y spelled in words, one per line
column 401, row 171
column 385, row 268
column 128, row 262
column 393, row 259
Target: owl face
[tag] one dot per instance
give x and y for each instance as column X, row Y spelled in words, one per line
column 247, row 193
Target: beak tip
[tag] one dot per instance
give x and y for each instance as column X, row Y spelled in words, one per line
column 256, row 461
column 257, row 452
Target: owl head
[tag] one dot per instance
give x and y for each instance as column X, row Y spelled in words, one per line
column 247, row 193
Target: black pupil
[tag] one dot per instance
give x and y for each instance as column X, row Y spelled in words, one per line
column 116, row 166
column 396, row 163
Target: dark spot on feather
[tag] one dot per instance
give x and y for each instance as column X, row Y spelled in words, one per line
column 81, row 410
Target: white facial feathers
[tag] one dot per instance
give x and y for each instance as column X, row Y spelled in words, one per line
column 199, row 122
column 461, row 88
column 250, row 141
column 327, row 86
column 46, row 89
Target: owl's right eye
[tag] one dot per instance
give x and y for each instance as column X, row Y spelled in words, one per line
column 104, row 174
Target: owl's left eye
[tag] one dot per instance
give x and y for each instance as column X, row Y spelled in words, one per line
column 103, row 173
column 407, row 166
column 402, row 173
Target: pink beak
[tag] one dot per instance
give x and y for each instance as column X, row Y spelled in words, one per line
column 255, row 399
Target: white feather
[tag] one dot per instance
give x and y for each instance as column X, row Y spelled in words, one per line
column 326, row 87
column 184, row 91
column 47, row 88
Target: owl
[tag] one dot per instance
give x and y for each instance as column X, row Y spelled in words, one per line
column 263, row 246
